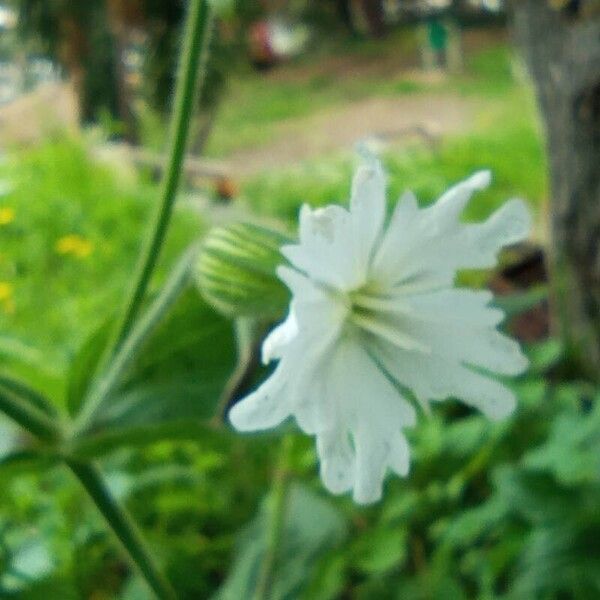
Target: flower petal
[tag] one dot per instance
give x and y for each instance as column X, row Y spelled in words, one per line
column 399, row 457
column 265, row 408
column 276, row 342
column 353, row 377
column 326, row 242
column 508, row 225
column 429, row 245
column 367, row 207
column 337, row 462
column 438, row 378
column 449, row 207
column 371, row 465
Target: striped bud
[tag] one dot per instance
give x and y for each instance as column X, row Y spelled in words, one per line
column 236, row 271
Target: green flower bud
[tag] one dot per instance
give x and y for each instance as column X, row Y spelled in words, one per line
column 236, row 271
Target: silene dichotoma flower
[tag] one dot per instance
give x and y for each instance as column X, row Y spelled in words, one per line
column 376, row 318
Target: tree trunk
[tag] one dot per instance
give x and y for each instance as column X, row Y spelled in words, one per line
column 72, row 52
column 561, row 44
column 118, row 17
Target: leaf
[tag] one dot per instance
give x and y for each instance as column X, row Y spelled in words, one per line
column 13, row 349
column 544, row 355
column 559, row 557
column 532, row 496
column 329, row 580
column 18, row 360
column 381, row 550
column 515, row 304
column 27, row 394
column 163, row 401
column 9, row 438
column 312, row 526
column 94, row 445
column 468, row 527
column 572, row 451
column 124, row 352
column 85, row 364
column 173, row 384
column 462, row 438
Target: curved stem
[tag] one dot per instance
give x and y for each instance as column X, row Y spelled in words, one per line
column 91, row 479
column 277, row 513
column 191, row 73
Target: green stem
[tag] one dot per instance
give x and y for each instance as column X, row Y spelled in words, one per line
column 191, row 73
column 278, row 506
column 28, row 416
column 91, row 479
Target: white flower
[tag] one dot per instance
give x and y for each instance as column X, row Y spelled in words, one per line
column 375, row 313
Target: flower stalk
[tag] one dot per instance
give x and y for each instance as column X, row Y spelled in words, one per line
column 123, row 527
column 192, row 69
column 277, row 512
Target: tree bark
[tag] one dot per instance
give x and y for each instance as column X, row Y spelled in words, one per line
column 124, row 101
column 561, row 44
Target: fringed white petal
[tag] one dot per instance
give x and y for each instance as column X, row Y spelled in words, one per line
column 279, row 339
column 367, row 207
column 437, row 378
column 327, row 238
column 337, row 463
column 429, row 245
column 265, row 408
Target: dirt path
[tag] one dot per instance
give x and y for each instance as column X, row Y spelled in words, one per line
column 397, row 120
column 28, row 119
column 339, row 128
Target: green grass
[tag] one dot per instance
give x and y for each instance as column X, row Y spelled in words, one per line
column 58, row 190
column 256, row 103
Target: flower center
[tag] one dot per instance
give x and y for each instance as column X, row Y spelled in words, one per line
column 381, row 314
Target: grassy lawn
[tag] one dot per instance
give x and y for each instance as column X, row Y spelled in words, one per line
column 254, row 104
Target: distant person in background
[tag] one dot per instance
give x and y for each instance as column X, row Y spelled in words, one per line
column 441, row 43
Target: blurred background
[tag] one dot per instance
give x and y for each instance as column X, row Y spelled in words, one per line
column 439, row 89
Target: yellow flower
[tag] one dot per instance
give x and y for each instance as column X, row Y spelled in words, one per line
column 7, row 215
column 6, row 290
column 75, row 245
column 7, row 302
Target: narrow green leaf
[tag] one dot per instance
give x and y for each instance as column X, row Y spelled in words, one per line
column 312, row 526
column 84, row 366
column 127, row 353
column 514, row 304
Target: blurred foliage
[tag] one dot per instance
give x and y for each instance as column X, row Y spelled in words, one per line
column 505, row 510
column 97, row 41
column 77, row 35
